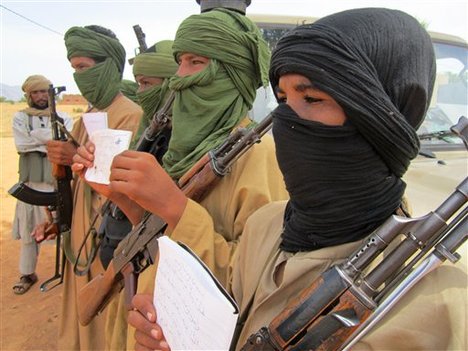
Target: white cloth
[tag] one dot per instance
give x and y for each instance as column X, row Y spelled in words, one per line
column 31, row 134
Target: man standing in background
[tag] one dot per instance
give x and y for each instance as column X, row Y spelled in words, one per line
column 31, row 131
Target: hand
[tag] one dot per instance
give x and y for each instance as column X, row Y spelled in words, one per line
column 148, row 334
column 83, row 158
column 44, row 231
column 60, row 152
column 142, row 179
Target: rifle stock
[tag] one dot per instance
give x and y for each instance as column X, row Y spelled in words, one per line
column 110, row 281
column 139, row 248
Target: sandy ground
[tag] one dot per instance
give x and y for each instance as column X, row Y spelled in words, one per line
column 29, row 321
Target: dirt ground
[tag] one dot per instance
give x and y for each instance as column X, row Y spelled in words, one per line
column 29, row 321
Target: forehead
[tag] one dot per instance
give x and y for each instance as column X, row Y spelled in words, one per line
column 294, row 81
column 82, row 60
column 190, row 55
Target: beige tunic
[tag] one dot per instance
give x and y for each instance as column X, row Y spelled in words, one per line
column 212, row 229
column 431, row 317
column 122, row 114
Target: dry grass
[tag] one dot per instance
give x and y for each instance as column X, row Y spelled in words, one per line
column 7, row 111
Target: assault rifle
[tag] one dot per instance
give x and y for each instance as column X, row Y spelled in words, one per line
column 139, row 248
column 347, row 300
column 58, row 202
column 141, row 41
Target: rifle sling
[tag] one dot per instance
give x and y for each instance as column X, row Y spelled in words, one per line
column 75, row 260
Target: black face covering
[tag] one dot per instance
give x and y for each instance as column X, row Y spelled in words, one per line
column 379, row 66
column 340, row 188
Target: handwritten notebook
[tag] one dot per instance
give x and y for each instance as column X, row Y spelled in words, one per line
column 193, row 309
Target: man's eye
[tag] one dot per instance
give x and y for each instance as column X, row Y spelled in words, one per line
column 311, row 100
column 282, row 99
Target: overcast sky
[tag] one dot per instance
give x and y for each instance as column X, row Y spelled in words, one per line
column 29, row 48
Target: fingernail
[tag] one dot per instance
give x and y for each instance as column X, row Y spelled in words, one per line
column 155, row 333
column 149, row 315
column 163, row 344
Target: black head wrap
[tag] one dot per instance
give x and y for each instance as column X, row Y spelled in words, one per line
column 379, row 65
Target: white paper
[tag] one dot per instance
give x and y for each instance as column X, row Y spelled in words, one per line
column 94, row 121
column 194, row 313
column 108, row 143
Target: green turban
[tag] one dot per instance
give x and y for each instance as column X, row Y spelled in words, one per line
column 156, row 61
column 211, row 103
column 232, row 39
column 101, row 83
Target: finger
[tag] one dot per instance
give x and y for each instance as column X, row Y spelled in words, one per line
column 77, row 168
column 131, row 159
column 148, row 341
column 143, row 325
column 90, row 146
column 85, row 154
column 87, row 162
column 139, row 347
column 143, row 303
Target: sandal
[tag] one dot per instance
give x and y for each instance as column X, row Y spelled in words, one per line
column 26, row 281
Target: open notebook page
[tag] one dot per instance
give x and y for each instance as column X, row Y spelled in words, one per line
column 193, row 309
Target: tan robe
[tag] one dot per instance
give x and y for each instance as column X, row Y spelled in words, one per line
column 122, row 114
column 212, row 229
column 433, row 316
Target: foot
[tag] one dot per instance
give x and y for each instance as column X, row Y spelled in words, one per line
column 26, row 281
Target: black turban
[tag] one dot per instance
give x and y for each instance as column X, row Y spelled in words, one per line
column 378, row 64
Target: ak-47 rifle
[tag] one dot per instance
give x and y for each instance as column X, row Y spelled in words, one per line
column 139, row 248
column 141, row 41
column 58, row 202
column 347, row 300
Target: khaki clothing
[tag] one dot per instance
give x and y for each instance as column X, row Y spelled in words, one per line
column 122, row 114
column 431, row 317
column 213, row 227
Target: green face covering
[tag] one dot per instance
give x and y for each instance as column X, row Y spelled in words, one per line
column 100, row 83
column 206, row 109
column 150, row 100
column 212, row 102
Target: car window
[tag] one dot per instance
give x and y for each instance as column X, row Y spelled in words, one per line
column 450, row 97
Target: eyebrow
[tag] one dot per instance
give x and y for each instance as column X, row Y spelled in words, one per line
column 299, row 87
